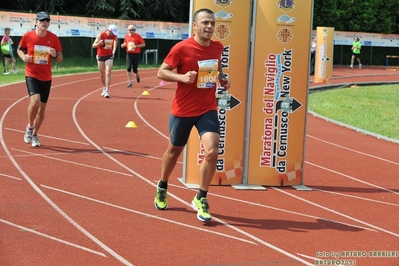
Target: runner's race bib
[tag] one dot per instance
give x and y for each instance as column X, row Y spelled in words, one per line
column 130, row 46
column 207, row 73
column 108, row 44
column 41, row 54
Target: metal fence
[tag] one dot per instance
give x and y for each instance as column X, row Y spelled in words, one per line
column 80, row 49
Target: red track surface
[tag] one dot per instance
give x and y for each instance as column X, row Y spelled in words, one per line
column 86, row 196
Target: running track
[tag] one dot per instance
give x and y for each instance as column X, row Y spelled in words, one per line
column 86, row 196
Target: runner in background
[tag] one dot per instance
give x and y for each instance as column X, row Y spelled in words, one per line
column 133, row 43
column 356, row 52
column 106, row 43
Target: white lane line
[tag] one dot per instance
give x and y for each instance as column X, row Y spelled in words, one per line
column 53, row 238
column 133, row 153
column 355, row 151
column 356, row 197
column 136, row 154
column 337, row 213
column 45, row 197
column 147, row 214
column 351, row 177
column 279, row 209
column 50, row 137
column 172, row 195
column 12, row 177
column 143, row 119
column 72, row 162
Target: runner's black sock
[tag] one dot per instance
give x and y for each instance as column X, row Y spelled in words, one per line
column 163, row 184
column 201, row 194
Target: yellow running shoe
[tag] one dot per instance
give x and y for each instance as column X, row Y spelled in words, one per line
column 161, row 198
column 202, row 208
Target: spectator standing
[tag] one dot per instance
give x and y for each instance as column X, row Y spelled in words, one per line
column 133, row 43
column 106, row 43
column 312, row 55
column 37, row 48
column 8, row 53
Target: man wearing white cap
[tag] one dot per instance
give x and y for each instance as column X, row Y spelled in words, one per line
column 106, row 43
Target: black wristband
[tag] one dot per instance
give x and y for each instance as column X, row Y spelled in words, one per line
column 55, row 56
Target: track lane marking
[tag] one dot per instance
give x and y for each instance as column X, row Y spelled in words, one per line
column 72, row 162
column 351, row 177
column 336, row 212
column 53, row 238
column 146, row 214
column 12, row 177
column 355, row 151
column 275, row 248
column 281, row 210
column 50, row 137
column 356, row 197
column 44, row 196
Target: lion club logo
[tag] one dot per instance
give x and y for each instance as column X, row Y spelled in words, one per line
column 285, row 35
column 222, row 31
column 286, row 5
column 223, row 3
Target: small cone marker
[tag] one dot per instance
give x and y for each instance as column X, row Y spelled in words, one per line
column 146, row 93
column 131, row 124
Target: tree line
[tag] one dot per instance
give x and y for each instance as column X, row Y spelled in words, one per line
column 379, row 16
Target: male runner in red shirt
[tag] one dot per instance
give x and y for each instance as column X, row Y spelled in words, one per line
column 197, row 61
column 37, row 48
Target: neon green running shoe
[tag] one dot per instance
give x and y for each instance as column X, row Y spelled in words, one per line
column 161, row 198
column 202, row 208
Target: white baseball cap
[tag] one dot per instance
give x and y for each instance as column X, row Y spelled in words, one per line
column 113, row 29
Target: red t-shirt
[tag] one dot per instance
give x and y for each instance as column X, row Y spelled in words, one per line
column 135, row 39
column 199, row 97
column 108, row 47
column 39, row 48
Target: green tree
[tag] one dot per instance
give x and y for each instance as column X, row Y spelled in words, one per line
column 380, row 16
column 163, row 10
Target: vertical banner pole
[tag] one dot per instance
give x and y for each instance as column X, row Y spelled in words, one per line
column 262, row 125
column 279, row 92
column 233, row 31
column 324, row 54
column 92, row 40
column 249, row 102
column 190, row 33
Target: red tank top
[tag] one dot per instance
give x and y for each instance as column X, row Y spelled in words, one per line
column 108, row 47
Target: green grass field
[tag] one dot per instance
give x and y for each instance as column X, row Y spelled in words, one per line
column 371, row 108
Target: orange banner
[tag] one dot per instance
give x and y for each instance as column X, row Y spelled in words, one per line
column 233, row 30
column 324, row 55
column 280, row 81
column 73, row 26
